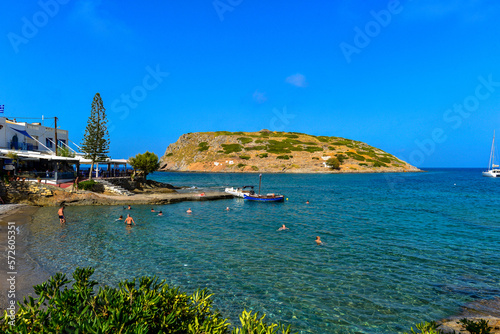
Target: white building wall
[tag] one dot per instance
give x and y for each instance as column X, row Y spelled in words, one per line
column 40, row 132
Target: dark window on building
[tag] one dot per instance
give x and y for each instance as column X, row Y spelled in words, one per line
column 48, row 142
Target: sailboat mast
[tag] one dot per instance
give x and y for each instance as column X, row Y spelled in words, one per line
column 492, row 153
column 260, row 181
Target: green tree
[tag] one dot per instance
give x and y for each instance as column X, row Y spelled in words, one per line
column 146, row 163
column 65, row 152
column 96, row 138
column 333, row 163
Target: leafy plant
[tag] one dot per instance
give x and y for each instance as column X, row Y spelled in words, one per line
column 284, row 157
column 245, row 140
column 231, row 148
column 91, row 185
column 203, row 146
column 356, row 156
column 255, row 168
column 146, row 163
column 169, row 154
column 384, row 159
column 425, row 328
column 241, row 165
column 65, row 152
column 379, row 164
column 146, row 305
column 245, row 157
column 475, row 327
column 96, row 138
column 313, row 149
column 333, row 163
column 255, row 148
column 223, row 133
column 263, row 155
column 341, row 157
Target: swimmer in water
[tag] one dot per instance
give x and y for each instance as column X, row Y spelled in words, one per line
column 307, row 202
column 227, row 208
column 283, row 227
column 129, row 220
column 318, row 240
column 121, row 218
column 153, row 210
column 160, row 213
column 189, row 210
column 129, row 208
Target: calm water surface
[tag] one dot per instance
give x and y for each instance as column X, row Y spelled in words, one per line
column 398, row 248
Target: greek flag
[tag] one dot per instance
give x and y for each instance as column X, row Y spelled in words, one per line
column 1, row 108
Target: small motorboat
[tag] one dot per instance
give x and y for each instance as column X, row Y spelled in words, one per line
column 252, row 196
column 239, row 192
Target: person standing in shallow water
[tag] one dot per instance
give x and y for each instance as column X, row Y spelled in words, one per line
column 129, row 220
column 318, row 240
column 60, row 212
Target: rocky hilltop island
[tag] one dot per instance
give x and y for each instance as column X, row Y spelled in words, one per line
column 276, row 152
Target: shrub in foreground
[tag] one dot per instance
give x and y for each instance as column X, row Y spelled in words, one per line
column 473, row 327
column 150, row 306
column 91, row 185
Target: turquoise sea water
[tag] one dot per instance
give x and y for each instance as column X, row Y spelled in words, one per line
column 398, row 248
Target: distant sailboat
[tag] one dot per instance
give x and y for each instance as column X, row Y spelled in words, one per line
column 493, row 170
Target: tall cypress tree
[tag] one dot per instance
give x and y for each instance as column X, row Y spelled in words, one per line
column 96, row 138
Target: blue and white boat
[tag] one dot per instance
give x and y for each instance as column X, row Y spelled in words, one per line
column 252, row 196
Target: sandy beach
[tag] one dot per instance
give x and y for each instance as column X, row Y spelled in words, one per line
column 28, row 272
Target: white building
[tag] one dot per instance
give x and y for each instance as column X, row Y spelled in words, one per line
column 34, row 145
column 30, row 136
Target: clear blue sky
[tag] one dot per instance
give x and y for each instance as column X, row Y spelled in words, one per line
column 387, row 73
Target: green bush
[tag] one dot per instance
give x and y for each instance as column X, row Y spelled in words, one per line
column 315, row 158
column 341, row 157
column 223, row 133
column 146, row 306
column 240, row 165
column 231, row 148
column 475, row 327
column 86, row 185
column 245, row 140
column 313, row 149
column 291, row 136
column 356, row 156
column 255, row 168
column 169, row 154
column 245, row 157
column 323, row 139
column 425, row 328
column 471, row 326
column 379, row 164
column 363, row 164
column 384, row 159
column 333, row 163
column 203, row 146
column 263, row 155
column 284, row 157
column 255, row 148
